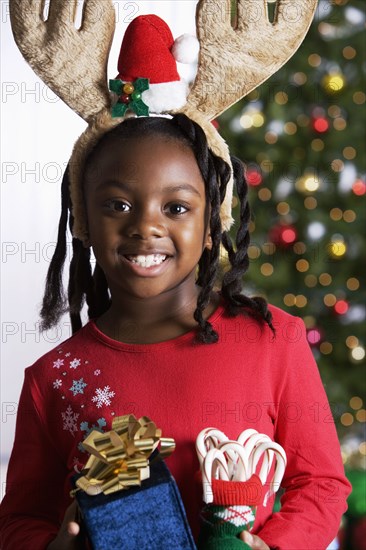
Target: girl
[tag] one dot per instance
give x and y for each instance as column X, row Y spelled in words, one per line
column 163, row 342
column 151, row 197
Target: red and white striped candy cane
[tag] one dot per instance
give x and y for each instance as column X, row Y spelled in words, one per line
column 214, row 467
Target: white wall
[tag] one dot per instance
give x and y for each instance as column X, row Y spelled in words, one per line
column 37, row 134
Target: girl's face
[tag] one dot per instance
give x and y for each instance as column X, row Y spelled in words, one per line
column 147, row 215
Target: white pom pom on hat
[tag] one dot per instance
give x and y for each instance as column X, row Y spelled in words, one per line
column 186, row 49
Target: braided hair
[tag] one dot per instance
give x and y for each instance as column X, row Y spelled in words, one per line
column 86, row 284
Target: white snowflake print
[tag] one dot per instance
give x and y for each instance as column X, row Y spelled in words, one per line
column 58, row 363
column 57, row 384
column 70, row 420
column 68, row 354
column 97, row 372
column 103, row 396
column 78, row 386
column 74, row 363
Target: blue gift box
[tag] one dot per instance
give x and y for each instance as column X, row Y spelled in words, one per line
column 149, row 517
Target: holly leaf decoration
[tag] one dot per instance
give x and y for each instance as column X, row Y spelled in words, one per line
column 134, row 102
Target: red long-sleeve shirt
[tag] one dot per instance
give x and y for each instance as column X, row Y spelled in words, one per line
column 246, row 380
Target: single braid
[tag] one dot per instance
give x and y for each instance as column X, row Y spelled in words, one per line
column 239, row 259
column 85, row 286
column 54, row 299
column 207, row 333
column 256, row 307
column 80, row 282
column 100, row 299
column 203, row 265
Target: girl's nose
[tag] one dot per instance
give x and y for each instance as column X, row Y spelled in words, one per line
column 146, row 223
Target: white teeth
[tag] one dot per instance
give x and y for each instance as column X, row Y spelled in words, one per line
column 147, row 261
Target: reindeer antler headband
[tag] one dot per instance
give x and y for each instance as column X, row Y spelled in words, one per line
column 232, row 63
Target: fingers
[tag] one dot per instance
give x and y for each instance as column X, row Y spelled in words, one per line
column 71, row 512
column 68, row 535
column 253, row 541
column 67, row 539
column 73, row 529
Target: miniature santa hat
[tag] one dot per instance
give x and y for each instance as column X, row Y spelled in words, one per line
column 149, row 51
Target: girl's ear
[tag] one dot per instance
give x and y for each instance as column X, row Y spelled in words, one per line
column 208, row 242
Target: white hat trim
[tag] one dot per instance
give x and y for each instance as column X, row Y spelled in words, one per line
column 166, row 96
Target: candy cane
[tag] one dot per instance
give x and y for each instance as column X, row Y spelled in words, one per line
column 222, row 458
column 237, row 460
column 211, row 438
column 244, row 436
column 214, row 466
column 266, row 465
column 207, row 439
column 251, row 439
column 251, row 444
column 280, row 465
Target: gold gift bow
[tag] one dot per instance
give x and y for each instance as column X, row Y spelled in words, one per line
column 120, row 458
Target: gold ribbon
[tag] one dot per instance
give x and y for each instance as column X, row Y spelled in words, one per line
column 120, row 459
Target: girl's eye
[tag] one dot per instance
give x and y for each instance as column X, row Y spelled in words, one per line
column 177, row 209
column 117, row 206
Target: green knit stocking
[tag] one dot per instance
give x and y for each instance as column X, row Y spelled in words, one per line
column 222, row 525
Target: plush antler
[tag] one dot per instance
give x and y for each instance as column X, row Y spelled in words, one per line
column 233, row 62
column 72, row 62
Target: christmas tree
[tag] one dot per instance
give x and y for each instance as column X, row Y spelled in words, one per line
column 301, row 137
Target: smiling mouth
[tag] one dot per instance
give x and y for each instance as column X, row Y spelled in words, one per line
column 147, row 261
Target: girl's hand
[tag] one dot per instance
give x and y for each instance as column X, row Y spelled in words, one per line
column 67, row 538
column 253, row 541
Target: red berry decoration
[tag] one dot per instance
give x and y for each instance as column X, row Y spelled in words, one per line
column 129, row 97
column 125, row 98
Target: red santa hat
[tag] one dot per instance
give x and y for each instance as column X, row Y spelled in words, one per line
column 149, row 51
